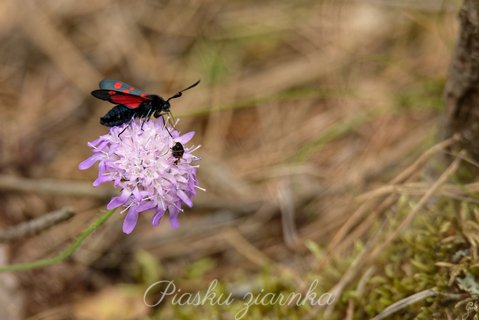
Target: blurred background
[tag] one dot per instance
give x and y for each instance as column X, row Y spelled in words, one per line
column 302, row 107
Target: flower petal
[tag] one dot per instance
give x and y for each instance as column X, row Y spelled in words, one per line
column 145, row 206
column 118, row 201
column 89, row 162
column 98, row 146
column 186, row 137
column 173, row 216
column 95, row 142
column 184, row 198
column 101, row 179
column 137, row 194
column 155, row 221
column 130, row 220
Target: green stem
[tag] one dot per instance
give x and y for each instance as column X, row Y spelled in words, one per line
column 62, row 255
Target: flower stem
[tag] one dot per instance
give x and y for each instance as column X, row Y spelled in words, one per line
column 62, row 255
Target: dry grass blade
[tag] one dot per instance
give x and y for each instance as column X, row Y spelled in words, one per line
column 401, row 177
column 360, row 289
column 409, row 218
column 54, row 43
column 375, row 246
column 404, row 303
column 418, row 188
column 286, row 206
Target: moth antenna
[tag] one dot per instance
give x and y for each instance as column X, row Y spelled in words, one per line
column 180, row 93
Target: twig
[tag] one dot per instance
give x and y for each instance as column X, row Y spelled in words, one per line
column 64, row 254
column 51, row 186
column 403, row 303
column 35, row 226
column 84, row 189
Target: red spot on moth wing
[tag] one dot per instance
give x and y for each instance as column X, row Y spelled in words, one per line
column 117, row 85
column 142, row 95
column 131, row 89
column 111, row 92
column 130, row 101
column 126, row 91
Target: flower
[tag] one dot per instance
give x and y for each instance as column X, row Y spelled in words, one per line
column 141, row 163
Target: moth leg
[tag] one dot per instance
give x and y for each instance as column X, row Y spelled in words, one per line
column 162, row 115
column 159, row 114
column 147, row 118
column 122, row 131
column 129, row 121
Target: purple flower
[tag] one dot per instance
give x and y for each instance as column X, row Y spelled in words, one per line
column 141, row 163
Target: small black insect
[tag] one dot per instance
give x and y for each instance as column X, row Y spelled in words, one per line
column 131, row 102
column 177, row 151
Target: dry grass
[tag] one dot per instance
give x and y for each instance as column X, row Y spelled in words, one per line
column 303, row 106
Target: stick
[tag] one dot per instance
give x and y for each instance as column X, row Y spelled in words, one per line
column 62, row 255
column 35, row 226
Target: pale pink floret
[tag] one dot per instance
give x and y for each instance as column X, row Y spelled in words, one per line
column 141, row 164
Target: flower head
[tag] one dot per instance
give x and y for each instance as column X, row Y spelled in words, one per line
column 141, row 163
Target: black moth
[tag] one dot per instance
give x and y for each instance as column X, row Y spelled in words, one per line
column 131, row 102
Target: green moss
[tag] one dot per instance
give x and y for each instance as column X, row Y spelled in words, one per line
column 435, row 252
column 416, row 262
